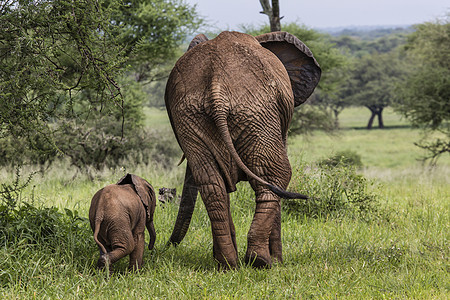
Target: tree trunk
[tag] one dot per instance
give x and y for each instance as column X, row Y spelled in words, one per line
column 376, row 112
column 273, row 12
column 372, row 117
column 380, row 118
column 336, row 118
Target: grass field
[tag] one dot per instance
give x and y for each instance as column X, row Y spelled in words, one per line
column 403, row 254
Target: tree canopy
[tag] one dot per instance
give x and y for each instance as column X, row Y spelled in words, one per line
column 372, row 83
column 425, row 93
column 64, row 66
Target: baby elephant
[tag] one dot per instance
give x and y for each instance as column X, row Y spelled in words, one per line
column 118, row 215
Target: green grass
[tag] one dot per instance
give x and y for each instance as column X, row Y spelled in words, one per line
column 390, row 148
column 402, row 255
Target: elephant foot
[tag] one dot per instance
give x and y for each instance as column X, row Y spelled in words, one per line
column 258, row 261
column 276, row 253
column 227, row 267
column 226, row 264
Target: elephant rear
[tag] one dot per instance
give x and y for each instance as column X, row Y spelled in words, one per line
column 118, row 216
column 230, row 101
column 109, row 216
column 240, row 82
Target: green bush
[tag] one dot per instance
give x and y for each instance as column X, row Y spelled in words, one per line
column 96, row 146
column 28, row 223
column 32, row 149
column 342, row 158
column 103, row 136
column 332, row 191
column 35, row 239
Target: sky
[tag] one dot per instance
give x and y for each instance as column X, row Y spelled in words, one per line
column 229, row 14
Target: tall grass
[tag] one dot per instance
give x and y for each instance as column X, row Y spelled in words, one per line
column 402, row 255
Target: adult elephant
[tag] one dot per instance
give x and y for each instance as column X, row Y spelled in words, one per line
column 230, row 101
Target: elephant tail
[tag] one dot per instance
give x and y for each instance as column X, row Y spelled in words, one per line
column 220, row 119
column 98, row 222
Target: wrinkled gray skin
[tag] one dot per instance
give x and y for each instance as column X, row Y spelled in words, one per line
column 118, row 216
column 230, row 101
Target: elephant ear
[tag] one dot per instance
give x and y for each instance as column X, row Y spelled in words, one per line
column 198, row 39
column 143, row 189
column 302, row 67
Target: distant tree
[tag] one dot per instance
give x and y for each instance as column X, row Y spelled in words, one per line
column 425, row 93
column 359, row 46
column 386, row 43
column 335, row 100
column 350, row 45
column 372, row 83
column 371, row 33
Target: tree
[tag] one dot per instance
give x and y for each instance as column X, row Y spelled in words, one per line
column 273, row 12
column 151, row 32
column 425, row 92
column 372, row 82
column 334, row 99
column 65, row 65
column 51, row 50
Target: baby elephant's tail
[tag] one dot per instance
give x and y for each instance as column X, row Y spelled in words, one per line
column 98, row 222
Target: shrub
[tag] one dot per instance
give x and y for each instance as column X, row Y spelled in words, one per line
column 28, row 223
column 97, row 147
column 347, row 158
column 332, row 191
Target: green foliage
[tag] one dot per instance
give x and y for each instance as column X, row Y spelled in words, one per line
column 152, row 31
column 65, row 69
column 99, row 143
column 346, row 158
column 374, row 77
column 374, row 68
column 372, row 83
column 50, row 51
column 307, row 118
column 102, row 147
column 27, row 223
column 333, row 191
column 425, row 92
column 35, row 239
column 371, row 33
column 358, row 44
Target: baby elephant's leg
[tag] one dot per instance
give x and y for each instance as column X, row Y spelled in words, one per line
column 122, row 245
column 136, row 256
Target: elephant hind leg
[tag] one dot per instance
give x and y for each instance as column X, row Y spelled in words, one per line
column 275, row 247
column 262, row 240
column 231, row 224
column 121, row 247
column 217, row 204
column 136, row 256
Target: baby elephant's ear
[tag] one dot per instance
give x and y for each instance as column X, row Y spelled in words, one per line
column 302, row 67
column 143, row 189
